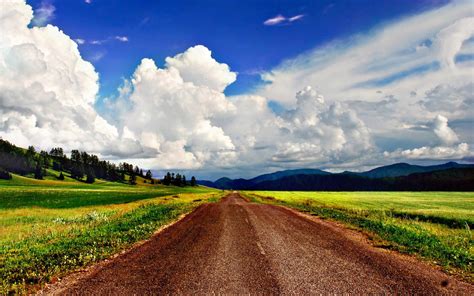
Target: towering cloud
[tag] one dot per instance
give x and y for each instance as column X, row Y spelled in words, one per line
column 47, row 90
column 320, row 132
column 174, row 108
column 443, row 131
column 447, row 148
column 397, row 75
column 196, row 65
column 379, row 91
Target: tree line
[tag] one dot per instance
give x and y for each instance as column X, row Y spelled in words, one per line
column 178, row 180
column 454, row 179
column 81, row 164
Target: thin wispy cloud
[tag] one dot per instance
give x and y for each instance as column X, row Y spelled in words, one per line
column 296, row 17
column 121, row 38
column 328, row 8
column 95, row 57
column 280, row 19
column 43, row 14
column 274, row 20
column 416, row 72
column 357, row 101
column 97, row 42
column 88, row 1
column 102, row 41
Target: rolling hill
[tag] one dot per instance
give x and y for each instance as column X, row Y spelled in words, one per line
column 400, row 176
column 405, row 169
column 227, row 183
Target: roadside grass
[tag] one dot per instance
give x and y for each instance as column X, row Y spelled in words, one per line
column 434, row 225
column 47, row 230
column 24, row 192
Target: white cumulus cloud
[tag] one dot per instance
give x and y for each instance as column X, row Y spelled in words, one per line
column 320, row 132
column 448, row 147
column 174, row 114
column 458, row 152
column 443, row 131
column 47, row 90
column 395, row 75
column 379, row 89
column 196, row 65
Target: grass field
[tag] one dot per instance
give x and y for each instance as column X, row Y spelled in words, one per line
column 434, row 225
column 48, row 227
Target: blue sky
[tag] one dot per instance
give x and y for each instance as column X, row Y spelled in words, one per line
column 234, row 30
column 239, row 88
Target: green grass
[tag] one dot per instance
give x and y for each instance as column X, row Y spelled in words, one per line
column 434, row 225
column 24, row 192
column 49, row 227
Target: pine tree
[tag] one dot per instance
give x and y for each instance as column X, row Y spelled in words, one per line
column 57, row 166
column 193, row 181
column 167, row 179
column 30, row 159
column 38, row 171
column 133, row 179
column 90, row 176
column 76, row 156
column 77, row 171
column 149, row 175
column 177, row 180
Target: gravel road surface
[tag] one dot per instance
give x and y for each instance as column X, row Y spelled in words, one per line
column 238, row 247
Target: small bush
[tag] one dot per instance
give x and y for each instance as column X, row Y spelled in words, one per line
column 5, row 175
column 90, row 178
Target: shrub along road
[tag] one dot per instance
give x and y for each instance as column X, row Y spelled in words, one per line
column 239, row 247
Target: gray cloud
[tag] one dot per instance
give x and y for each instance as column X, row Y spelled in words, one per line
column 450, row 98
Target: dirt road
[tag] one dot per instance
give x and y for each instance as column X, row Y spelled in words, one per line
column 237, row 247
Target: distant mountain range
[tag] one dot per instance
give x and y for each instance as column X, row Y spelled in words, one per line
column 399, row 176
column 405, row 169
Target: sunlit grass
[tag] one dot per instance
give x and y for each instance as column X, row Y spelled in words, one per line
column 24, row 193
column 22, row 223
column 446, row 204
column 434, row 225
column 50, row 227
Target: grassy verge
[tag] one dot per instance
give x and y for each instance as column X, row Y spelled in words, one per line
column 47, row 230
column 429, row 230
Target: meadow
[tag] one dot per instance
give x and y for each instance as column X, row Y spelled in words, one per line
column 49, row 228
column 435, row 226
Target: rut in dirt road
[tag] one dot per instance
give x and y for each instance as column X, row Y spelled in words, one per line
column 237, row 247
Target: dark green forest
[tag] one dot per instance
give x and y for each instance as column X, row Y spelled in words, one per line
column 80, row 166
